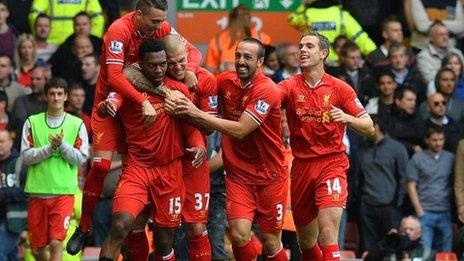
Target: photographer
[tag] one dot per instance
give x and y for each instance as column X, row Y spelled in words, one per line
column 404, row 245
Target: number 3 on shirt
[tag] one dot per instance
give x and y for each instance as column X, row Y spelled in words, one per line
column 333, row 186
column 199, row 201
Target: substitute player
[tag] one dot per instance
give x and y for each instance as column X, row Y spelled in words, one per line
column 196, row 180
column 256, row 180
column 120, row 48
column 54, row 144
column 153, row 173
column 319, row 107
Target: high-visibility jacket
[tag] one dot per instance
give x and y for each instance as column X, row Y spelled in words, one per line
column 62, row 13
column 221, row 53
column 331, row 22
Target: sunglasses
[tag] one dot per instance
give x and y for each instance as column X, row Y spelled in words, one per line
column 437, row 103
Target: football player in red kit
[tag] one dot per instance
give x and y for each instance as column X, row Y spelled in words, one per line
column 318, row 108
column 153, row 172
column 253, row 152
column 120, row 48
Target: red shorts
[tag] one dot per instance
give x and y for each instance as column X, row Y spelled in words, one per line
column 267, row 201
column 107, row 133
column 196, row 183
column 317, row 184
column 161, row 186
column 48, row 218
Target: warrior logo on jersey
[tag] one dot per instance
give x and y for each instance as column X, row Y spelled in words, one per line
column 213, row 101
column 261, row 107
column 116, row 47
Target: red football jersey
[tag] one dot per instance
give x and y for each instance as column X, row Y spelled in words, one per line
column 313, row 132
column 120, row 47
column 158, row 143
column 259, row 157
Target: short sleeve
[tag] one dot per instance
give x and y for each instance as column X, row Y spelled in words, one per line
column 262, row 102
column 284, row 91
column 350, row 103
column 114, row 43
column 208, row 100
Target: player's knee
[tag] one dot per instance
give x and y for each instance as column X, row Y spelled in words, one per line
column 38, row 252
column 119, row 229
column 195, row 229
column 239, row 238
column 271, row 244
column 327, row 235
column 55, row 245
column 164, row 245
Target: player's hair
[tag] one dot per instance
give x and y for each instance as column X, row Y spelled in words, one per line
column 396, row 47
column 400, row 92
column 349, row 46
column 150, row 46
column 434, row 130
column 95, row 57
column 434, row 24
column 81, row 13
column 173, row 43
column 324, row 43
column 41, row 15
column 261, row 49
column 389, row 20
column 56, row 82
column 3, row 2
column 144, row 5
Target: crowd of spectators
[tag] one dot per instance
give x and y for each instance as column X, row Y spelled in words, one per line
column 409, row 77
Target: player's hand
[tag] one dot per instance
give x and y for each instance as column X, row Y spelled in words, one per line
column 338, row 115
column 461, row 213
column 148, row 112
column 106, row 108
column 199, row 155
column 174, row 95
column 190, row 79
column 56, row 139
column 181, row 107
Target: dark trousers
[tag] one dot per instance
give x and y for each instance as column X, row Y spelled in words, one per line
column 375, row 222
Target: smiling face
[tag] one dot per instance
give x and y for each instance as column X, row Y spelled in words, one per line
column 177, row 63
column 247, row 61
column 310, row 52
column 154, row 66
column 149, row 20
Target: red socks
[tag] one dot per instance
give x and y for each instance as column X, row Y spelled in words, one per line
column 248, row 251
column 330, row 253
column 200, row 248
column 137, row 245
column 92, row 190
column 313, row 254
column 278, row 256
column 170, row 257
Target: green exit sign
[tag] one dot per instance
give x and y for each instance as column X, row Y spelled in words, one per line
column 226, row 5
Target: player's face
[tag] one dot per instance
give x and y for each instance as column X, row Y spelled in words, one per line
column 435, row 142
column 154, row 66
column 177, row 62
column 151, row 19
column 310, row 53
column 247, row 61
column 55, row 98
column 387, row 85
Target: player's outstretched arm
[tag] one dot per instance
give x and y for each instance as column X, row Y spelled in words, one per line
column 236, row 129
